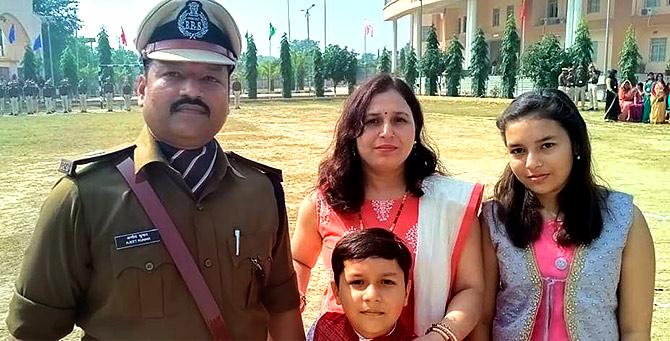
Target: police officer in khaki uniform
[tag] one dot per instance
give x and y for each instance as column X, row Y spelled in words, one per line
column 96, row 259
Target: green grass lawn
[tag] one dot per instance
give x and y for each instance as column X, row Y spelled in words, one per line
column 294, row 135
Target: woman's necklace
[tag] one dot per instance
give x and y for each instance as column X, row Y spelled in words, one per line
column 395, row 220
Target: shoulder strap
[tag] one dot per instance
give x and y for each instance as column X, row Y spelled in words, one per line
column 269, row 171
column 69, row 166
column 177, row 249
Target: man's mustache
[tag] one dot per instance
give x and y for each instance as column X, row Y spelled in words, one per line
column 189, row 101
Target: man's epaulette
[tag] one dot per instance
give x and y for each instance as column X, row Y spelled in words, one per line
column 270, row 171
column 69, row 166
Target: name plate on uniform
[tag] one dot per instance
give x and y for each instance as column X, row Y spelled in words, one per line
column 139, row 238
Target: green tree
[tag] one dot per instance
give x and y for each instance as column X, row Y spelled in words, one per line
column 302, row 52
column 318, row 72
column 401, row 67
column 251, row 64
column 480, row 65
column 542, row 62
column 335, row 64
column 105, row 56
column 385, row 61
column 60, row 17
column 286, row 67
column 453, row 60
column 432, row 64
column 411, row 69
column 299, row 62
column 509, row 57
column 582, row 49
column 351, row 70
column 68, row 66
column 126, row 65
column 629, row 57
column 269, row 69
column 29, row 64
column 369, row 62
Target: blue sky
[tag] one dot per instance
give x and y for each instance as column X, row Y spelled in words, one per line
column 345, row 20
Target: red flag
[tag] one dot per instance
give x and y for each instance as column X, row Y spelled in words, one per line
column 368, row 30
column 523, row 11
column 123, row 37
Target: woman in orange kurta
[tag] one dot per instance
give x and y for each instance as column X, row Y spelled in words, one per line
column 381, row 173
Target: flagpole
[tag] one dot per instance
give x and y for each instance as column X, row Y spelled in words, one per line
column 365, row 41
column 51, row 56
column 270, row 65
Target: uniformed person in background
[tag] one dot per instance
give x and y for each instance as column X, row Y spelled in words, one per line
column 14, row 96
column 49, row 94
column 83, row 95
column 35, row 93
column 563, row 80
column 237, row 92
column 28, row 97
column 65, row 92
column 3, row 96
column 127, row 94
column 97, row 260
column 108, row 90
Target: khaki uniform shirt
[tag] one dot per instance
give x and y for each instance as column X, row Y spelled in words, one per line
column 73, row 273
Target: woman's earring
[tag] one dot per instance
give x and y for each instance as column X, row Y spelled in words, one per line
column 579, row 157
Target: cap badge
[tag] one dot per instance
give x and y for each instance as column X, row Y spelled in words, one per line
column 193, row 22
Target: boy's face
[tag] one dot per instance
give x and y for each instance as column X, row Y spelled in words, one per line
column 372, row 293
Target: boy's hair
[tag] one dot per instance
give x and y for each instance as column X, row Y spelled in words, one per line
column 370, row 243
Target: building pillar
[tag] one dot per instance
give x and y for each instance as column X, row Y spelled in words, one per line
column 470, row 29
column 572, row 19
column 416, row 33
column 412, row 40
column 394, row 54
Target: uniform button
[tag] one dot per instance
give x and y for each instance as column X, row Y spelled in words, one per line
column 208, row 263
column 199, row 207
column 149, row 266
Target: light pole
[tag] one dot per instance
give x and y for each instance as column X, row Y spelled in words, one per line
column 47, row 19
column 607, row 36
column 307, row 17
column 288, row 16
column 324, row 25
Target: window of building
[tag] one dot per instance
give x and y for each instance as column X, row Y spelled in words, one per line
column 510, row 11
column 651, row 3
column 2, row 46
column 657, row 50
column 458, row 30
column 594, row 53
column 593, row 6
column 465, row 23
column 552, row 8
column 496, row 17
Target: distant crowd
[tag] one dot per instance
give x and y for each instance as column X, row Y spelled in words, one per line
column 645, row 102
column 39, row 95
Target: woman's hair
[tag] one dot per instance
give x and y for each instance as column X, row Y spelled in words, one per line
column 580, row 201
column 341, row 173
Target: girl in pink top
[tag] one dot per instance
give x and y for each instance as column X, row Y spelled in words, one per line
column 564, row 258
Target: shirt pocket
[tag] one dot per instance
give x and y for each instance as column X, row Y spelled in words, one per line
column 141, row 274
column 252, row 262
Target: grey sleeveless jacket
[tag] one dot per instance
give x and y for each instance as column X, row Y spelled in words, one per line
column 591, row 289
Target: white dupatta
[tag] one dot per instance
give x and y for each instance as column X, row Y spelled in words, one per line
column 445, row 211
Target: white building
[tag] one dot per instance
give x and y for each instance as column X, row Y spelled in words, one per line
column 27, row 27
